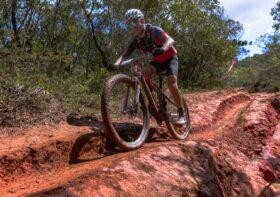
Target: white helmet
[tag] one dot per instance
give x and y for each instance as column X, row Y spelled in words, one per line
column 133, row 14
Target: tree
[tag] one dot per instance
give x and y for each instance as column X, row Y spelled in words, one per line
column 262, row 71
column 95, row 32
column 275, row 12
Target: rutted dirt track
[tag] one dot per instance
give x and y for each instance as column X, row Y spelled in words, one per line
column 233, row 150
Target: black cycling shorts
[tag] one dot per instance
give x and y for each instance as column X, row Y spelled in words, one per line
column 170, row 67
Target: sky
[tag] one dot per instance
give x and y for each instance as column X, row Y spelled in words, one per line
column 255, row 17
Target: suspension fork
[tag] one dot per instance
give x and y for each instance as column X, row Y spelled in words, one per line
column 136, row 98
column 125, row 101
column 137, row 94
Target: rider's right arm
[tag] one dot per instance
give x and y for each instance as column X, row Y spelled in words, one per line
column 131, row 47
column 120, row 59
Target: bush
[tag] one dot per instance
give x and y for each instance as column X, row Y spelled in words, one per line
column 33, row 84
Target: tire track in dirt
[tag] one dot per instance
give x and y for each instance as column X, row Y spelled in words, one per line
column 59, row 177
column 222, row 126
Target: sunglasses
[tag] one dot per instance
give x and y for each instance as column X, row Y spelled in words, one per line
column 133, row 23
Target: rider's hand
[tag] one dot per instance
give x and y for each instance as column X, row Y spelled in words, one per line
column 158, row 51
column 113, row 67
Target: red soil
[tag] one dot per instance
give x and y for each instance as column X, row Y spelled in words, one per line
column 233, row 150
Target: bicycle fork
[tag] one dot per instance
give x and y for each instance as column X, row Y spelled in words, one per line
column 137, row 96
column 136, row 99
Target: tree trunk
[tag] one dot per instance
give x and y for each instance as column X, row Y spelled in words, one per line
column 88, row 55
column 89, row 18
column 53, row 33
column 98, row 47
column 14, row 22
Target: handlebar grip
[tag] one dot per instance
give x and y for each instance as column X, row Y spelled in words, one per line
column 126, row 62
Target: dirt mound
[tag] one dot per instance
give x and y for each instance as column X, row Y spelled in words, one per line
column 207, row 108
column 233, row 150
column 256, row 125
column 173, row 169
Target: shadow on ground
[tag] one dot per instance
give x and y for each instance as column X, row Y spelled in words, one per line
column 99, row 145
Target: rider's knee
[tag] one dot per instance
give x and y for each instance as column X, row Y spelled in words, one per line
column 149, row 71
column 171, row 81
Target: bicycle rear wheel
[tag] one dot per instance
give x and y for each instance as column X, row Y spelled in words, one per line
column 178, row 132
column 126, row 123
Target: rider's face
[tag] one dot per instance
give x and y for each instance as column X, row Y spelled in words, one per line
column 137, row 29
column 136, row 26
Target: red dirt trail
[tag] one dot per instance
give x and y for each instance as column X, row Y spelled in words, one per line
column 233, row 150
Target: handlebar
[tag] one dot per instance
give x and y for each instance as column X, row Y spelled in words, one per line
column 147, row 57
column 127, row 62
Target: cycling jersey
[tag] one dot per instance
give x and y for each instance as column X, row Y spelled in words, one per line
column 154, row 38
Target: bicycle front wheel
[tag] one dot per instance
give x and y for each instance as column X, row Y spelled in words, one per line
column 126, row 119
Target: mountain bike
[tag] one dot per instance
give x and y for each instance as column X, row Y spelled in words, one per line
column 125, row 113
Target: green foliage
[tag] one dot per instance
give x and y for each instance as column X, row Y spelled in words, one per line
column 257, row 73
column 261, row 72
column 204, row 39
column 58, row 51
column 275, row 12
column 32, row 72
column 94, row 31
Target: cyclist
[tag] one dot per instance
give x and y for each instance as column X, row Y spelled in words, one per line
column 152, row 39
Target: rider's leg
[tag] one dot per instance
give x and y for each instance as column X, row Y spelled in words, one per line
column 171, row 68
column 171, row 81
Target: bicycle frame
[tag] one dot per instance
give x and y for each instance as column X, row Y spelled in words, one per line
column 152, row 104
column 142, row 80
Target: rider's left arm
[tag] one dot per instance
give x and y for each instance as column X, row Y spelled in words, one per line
column 168, row 43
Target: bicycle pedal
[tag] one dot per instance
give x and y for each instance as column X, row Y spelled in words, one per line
column 177, row 124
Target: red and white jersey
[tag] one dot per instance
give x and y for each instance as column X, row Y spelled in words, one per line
column 154, row 37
